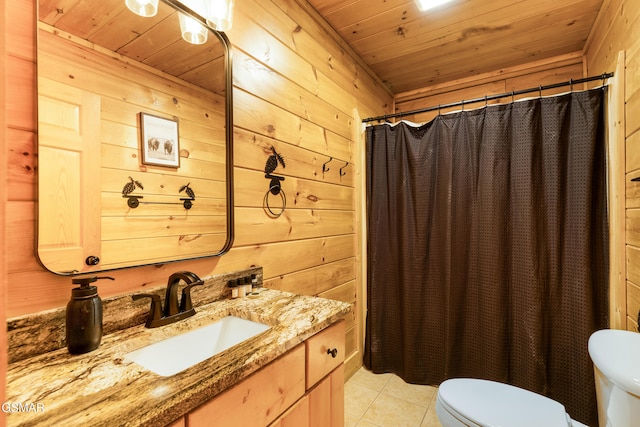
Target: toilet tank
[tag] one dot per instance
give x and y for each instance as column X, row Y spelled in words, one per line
column 615, row 355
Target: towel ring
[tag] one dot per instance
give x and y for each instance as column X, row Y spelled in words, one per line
column 275, row 189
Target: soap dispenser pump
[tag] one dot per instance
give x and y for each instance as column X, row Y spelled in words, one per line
column 84, row 316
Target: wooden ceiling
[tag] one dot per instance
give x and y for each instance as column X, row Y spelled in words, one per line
column 409, row 49
column 155, row 42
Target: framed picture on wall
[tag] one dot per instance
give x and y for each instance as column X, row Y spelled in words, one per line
column 159, row 141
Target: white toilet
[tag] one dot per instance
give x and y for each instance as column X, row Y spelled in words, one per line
column 481, row 403
column 616, row 362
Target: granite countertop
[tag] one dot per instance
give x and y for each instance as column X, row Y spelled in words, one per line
column 101, row 388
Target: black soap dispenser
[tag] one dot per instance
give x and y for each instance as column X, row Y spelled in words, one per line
column 84, row 316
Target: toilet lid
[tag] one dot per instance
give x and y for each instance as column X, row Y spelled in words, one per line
column 493, row 404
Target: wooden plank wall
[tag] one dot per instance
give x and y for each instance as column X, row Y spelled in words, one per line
column 533, row 74
column 297, row 88
column 618, row 30
column 3, row 204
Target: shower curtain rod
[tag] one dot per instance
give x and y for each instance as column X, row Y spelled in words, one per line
column 571, row 82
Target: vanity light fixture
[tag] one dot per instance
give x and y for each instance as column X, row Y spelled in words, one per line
column 144, row 8
column 218, row 14
column 430, row 4
column 192, row 30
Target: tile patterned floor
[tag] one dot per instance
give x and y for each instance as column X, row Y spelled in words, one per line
column 385, row 400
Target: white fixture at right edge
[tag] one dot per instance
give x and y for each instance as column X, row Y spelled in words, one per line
column 616, row 362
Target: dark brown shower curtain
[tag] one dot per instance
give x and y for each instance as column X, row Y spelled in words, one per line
column 487, row 247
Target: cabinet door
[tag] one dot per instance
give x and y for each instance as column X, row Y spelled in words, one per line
column 326, row 401
column 259, row 399
column 296, row 416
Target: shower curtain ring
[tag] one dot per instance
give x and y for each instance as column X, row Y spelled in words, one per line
column 486, row 103
column 540, row 90
column 571, row 84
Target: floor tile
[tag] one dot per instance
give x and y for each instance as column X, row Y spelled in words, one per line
column 370, row 380
column 350, row 420
column 385, row 400
column 365, row 423
column 390, row 411
column 418, row 394
column 357, row 398
column 430, row 419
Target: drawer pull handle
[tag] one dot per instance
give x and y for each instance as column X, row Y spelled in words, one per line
column 333, row 352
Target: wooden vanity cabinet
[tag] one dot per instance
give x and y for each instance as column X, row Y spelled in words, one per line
column 326, row 401
column 304, row 387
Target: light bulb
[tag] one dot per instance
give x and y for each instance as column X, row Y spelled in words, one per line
column 430, row 4
column 192, row 31
column 144, row 8
column 220, row 14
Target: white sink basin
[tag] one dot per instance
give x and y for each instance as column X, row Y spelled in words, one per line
column 175, row 354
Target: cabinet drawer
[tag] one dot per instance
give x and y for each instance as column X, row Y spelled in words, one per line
column 325, row 351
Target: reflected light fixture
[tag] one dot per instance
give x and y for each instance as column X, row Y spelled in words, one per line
column 430, row 4
column 144, row 8
column 192, row 30
column 220, row 14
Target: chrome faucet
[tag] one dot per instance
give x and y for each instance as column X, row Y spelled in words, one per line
column 172, row 311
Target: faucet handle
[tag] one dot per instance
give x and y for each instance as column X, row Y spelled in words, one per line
column 185, row 301
column 155, row 312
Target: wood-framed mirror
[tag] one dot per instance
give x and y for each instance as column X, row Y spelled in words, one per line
column 135, row 138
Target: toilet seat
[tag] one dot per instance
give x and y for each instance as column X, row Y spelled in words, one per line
column 482, row 403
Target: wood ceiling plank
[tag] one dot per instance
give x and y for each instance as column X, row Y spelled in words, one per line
column 414, row 71
column 327, row 7
column 490, row 50
column 563, row 61
column 396, row 40
column 509, row 21
column 351, row 14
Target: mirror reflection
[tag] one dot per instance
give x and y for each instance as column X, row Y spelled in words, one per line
column 134, row 136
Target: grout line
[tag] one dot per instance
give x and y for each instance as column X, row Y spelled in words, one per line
column 381, row 391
